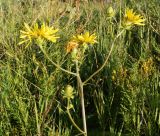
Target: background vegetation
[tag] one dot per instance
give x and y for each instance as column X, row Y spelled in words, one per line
column 123, row 99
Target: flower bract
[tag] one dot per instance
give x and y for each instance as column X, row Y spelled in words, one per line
column 68, row 92
column 71, row 46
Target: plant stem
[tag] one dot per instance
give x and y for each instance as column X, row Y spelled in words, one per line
column 37, row 121
column 106, row 60
column 56, row 65
column 80, row 87
column 70, row 117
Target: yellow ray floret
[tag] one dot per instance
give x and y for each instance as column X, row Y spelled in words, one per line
column 44, row 33
column 131, row 18
column 85, row 38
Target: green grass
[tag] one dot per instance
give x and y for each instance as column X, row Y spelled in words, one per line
column 122, row 99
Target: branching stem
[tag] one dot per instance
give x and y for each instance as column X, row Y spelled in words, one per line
column 56, row 65
column 72, row 120
column 106, row 60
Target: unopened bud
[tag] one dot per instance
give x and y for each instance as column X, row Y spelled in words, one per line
column 111, row 12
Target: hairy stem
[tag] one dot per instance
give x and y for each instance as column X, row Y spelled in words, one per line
column 56, row 65
column 70, row 117
column 80, row 87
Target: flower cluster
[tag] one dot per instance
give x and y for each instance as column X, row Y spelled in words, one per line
column 45, row 32
column 79, row 43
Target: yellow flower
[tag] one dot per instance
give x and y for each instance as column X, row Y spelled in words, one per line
column 85, row 38
column 39, row 33
column 48, row 33
column 131, row 18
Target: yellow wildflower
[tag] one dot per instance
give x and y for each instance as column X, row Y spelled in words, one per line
column 43, row 33
column 131, row 18
column 48, row 33
column 85, row 38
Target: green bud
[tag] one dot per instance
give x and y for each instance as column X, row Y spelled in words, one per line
column 74, row 53
column 111, row 12
column 68, row 92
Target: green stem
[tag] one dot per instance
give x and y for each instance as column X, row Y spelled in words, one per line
column 70, row 117
column 106, row 60
column 56, row 65
column 80, row 87
column 37, row 121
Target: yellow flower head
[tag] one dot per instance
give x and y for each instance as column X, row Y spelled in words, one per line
column 85, row 38
column 131, row 18
column 43, row 33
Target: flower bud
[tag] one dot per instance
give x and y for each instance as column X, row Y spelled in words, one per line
column 68, row 92
column 110, row 12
